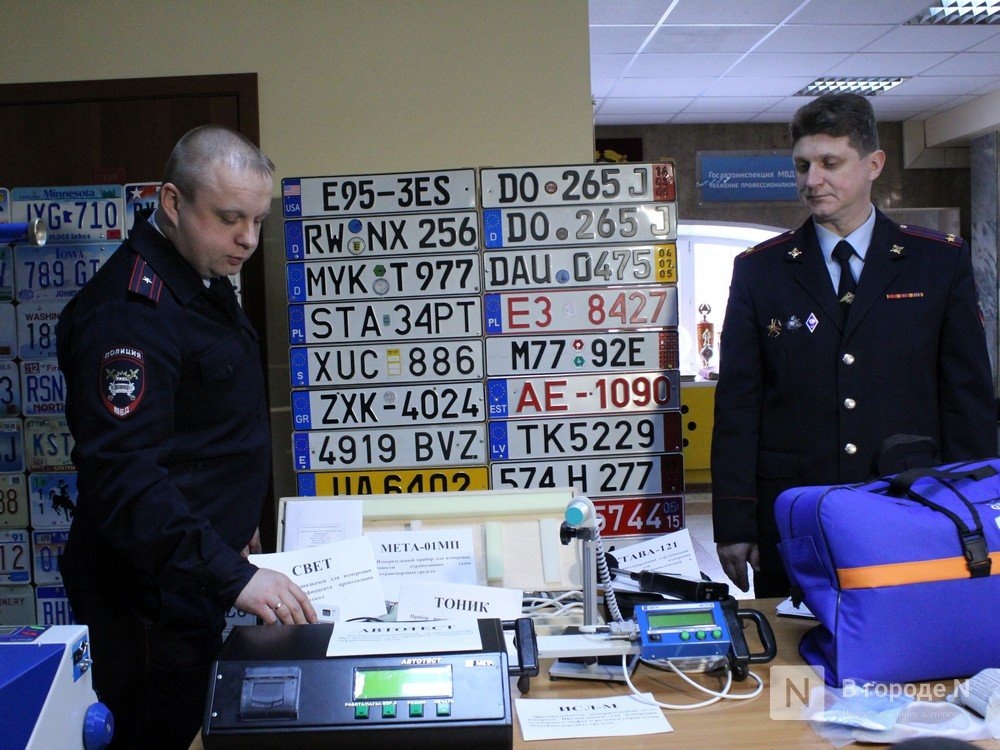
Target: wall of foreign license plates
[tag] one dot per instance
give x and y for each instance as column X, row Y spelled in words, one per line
column 450, row 330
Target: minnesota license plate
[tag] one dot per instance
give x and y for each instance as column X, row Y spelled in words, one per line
column 14, row 501
column 565, row 395
column 588, row 352
column 11, row 444
column 430, row 361
column 580, row 310
column 47, row 547
column 88, row 213
column 541, row 439
column 53, row 499
column 430, row 317
column 57, row 272
column 604, row 266
column 577, row 184
column 579, row 225
column 48, row 444
column 343, row 280
column 431, row 445
column 650, row 474
column 36, row 328
column 378, row 193
column 391, row 481
column 378, row 236
column 10, row 388
column 640, row 516
column 15, row 556
column 350, row 408
column 43, row 388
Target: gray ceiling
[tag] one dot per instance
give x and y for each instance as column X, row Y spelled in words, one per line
column 716, row 61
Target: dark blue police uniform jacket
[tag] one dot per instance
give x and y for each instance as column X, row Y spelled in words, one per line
column 166, row 404
column 802, row 400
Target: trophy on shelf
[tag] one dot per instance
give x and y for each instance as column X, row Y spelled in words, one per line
column 706, row 343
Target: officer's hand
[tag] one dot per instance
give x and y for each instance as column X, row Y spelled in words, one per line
column 274, row 597
column 253, row 546
column 735, row 557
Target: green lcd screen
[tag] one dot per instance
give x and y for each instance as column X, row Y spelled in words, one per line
column 682, row 619
column 395, row 683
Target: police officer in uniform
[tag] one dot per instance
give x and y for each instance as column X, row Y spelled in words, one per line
column 826, row 352
column 166, row 403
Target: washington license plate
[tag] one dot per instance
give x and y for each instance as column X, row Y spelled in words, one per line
column 576, row 184
column 431, row 317
column 392, row 481
column 36, row 328
column 605, row 266
column 650, row 474
column 580, row 310
column 579, row 225
column 350, row 408
column 379, row 193
column 540, row 439
column 377, row 236
column 431, row 445
column 588, row 352
column 343, row 280
column 57, row 272
column 89, row 213
column 430, row 361
column 583, row 394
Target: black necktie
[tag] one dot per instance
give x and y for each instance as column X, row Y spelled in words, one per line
column 845, row 290
column 222, row 288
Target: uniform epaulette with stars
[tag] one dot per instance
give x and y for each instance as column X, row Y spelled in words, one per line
column 931, row 234
column 144, row 281
column 767, row 243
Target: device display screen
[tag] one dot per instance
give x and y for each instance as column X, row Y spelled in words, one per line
column 391, row 683
column 681, row 619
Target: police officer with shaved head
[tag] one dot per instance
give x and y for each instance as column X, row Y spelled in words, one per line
column 166, row 403
column 838, row 337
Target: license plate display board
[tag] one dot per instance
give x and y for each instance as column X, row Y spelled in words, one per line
column 378, row 193
column 410, row 362
column 578, row 184
column 83, row 213
column 604, row 266
column 430, row 445
column 392, row 481
column 57, row 272
column 590, row 352
column 350, row 408
column 404, row 277
column 382, row 236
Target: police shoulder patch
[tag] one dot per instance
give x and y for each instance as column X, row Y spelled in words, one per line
column 144, row 281
column 123, row 380
column 952, row 240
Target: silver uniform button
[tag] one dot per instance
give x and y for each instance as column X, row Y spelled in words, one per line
column 847, row 359
column 850, row 449
column 850, row 403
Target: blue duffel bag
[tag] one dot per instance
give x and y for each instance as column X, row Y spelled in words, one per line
column 903, row 573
